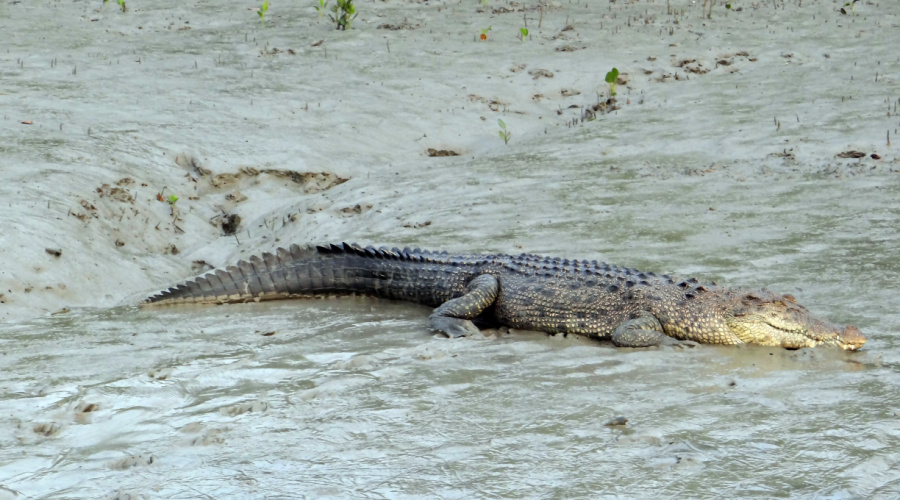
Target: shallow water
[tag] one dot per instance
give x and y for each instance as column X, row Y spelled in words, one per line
column 355, row 397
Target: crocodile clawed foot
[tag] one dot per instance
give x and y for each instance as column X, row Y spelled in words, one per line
column 453, row 327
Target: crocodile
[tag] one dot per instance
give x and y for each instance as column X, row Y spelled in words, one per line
column 529, row 292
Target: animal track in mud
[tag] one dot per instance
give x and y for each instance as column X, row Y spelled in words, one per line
column 239, row 409
column 727, row 62
column 309, row 182
column 131, row 461
column 356, row 209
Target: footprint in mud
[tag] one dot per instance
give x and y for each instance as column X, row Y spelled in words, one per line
column 47, row 429
column 213, row 436
column 124, row 495
column 207, row 437
column 84, row 412
column 131, row 461
column 356, row 209
column 257, row 406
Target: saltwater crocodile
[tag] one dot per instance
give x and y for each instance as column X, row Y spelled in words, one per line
column 603, row 301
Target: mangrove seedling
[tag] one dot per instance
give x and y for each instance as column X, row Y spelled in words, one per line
column 344, row 12
column 484, row 33
column 611, row 78
column 172, row 199
column 504, row 134
column 321, row 7
column 524, row 33
column 122, row 5
column 852, row 6
column 262, row 11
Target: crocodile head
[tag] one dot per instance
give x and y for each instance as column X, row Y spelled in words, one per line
column 768, row 318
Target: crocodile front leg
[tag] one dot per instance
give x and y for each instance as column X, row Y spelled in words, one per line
column 454, row 316
column 645, row 331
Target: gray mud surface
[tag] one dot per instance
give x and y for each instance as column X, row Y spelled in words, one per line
column 721, row 162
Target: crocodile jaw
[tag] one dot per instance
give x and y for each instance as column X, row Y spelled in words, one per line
column 758, row 331
column 766, row 318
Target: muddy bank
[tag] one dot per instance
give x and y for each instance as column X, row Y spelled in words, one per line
column 725, row 160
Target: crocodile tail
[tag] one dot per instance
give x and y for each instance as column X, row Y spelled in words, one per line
column 308, row 271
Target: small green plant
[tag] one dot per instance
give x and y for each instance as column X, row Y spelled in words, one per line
column 172, row 199
column 344, row 12
column 611, row 78
column 484, row 33
column 262, row 11
column 504, row 134
column 524, row 33
column 728, row 6
column 321, row 7
column 122, row 5
column 852, row 6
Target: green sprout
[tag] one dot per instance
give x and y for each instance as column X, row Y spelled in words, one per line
column 344, row 12
column 321, row 7
column 611, row 78
column 524, row 33
column 504, row 134
column 172, row 199
column 484, row 33
column 852, row 6
column 728, row 6
column 122, row 5
column 262, row 11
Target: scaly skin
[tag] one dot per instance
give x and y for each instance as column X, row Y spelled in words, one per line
column 629, row 307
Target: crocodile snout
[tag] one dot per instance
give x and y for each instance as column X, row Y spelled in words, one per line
column 851, row 338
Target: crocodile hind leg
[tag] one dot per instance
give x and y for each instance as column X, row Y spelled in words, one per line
column 454, row 317
column 645, row 331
